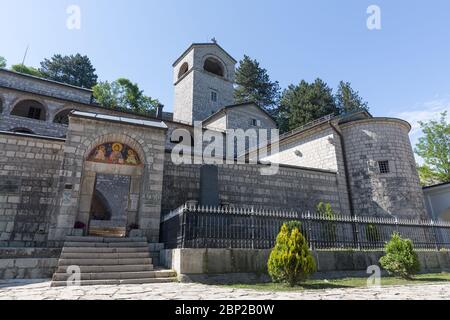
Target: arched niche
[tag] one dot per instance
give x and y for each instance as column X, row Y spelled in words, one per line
column 22, row 130
column 117, row 159
column 31, row 109
column 62, row 117
column 214, row 66
column 183, row 70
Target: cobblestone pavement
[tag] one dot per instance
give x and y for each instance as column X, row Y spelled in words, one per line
column 34, row 290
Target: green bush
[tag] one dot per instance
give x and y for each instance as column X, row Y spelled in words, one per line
column 400, row 259
column 291, row 225
column 372, row 233
column 290, row 261
column 329, row 228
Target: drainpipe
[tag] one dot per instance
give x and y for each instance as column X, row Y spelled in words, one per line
column 349, row 191
column 347, row 177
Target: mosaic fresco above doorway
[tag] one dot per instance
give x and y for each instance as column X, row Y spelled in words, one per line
column 115, row 153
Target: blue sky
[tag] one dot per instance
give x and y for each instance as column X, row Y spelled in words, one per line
column 402, row 70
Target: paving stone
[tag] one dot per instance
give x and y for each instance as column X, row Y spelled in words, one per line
column 21, row 290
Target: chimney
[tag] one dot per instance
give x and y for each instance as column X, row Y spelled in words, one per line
column 159, row 111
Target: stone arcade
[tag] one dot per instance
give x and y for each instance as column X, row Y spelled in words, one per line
column 70, row 167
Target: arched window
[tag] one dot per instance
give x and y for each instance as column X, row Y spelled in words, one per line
column 214, row 66
column 183, row 70
column 62, row 117
column 29, row 109
column 22, row 130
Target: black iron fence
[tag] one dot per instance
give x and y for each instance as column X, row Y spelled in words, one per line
column 208, row 227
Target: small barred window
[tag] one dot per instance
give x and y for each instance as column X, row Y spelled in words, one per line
column 384, row 167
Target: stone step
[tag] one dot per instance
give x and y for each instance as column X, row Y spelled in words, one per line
column 84, row 255
column 103, row 262
column 117, row 275
column 105, row 244
column 112, row 268
column 104, row 250
column 116, row 282
column 103, row 239
column 111, row 261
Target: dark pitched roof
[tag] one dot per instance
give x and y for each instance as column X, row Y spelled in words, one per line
column 239, row 105
column 201, row 45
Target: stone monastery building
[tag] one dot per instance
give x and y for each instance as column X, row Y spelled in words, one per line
column 68, row 162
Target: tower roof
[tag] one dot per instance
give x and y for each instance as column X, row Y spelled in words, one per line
column 202, row 45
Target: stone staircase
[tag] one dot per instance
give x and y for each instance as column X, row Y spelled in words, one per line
column 109, row 261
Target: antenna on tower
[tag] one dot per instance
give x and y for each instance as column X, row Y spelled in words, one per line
column 214, row 40
column 25, row 55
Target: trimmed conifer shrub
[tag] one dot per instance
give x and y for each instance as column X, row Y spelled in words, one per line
column 290, row 261
column 400, row 260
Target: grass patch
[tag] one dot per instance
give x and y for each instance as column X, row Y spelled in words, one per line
column 345, row 283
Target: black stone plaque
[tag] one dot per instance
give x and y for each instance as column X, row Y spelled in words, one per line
column 209, row 185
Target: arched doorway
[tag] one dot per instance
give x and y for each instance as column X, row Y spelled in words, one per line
column 110, row 189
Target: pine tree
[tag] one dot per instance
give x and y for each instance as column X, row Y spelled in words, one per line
column 76, row 70
column 348, row 100
column 291, row 261
column 306, row 102
column 2, row 62
column 254, row 84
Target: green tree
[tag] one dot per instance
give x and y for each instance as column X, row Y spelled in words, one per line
column 26, row 70
column 2, row 62
column 434, row 148
column 348, row 100
column 400, row 259
column 290, row 261
column 306, row 102
column 124, row 94
column 254, row 84
column 281, row 115
column 329, row 232
column 76, row 70
column 372, row 233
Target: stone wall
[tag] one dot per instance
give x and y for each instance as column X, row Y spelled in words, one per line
column 313, row 149
column 114, row 189
column 29, row 180
column 28, row 263
column 193, row 90
column 374, row 193
column 240, row 118
column 10, row 97
column 183, row 95
column 437, row 200
column 78, row 178
column 225, row 265
column 38, row 127
column 10, row 79
column 243, row 186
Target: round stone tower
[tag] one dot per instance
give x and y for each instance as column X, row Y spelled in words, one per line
column 382, row 169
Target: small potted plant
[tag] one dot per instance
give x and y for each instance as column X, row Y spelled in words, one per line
column 134, row 231
column 78, row 228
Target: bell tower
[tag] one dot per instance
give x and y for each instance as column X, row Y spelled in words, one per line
column 203, row 79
